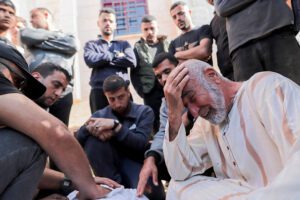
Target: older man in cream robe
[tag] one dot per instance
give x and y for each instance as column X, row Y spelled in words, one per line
column 254, row 150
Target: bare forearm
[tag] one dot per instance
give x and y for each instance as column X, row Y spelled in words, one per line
column 74, row 162
column 51, row 179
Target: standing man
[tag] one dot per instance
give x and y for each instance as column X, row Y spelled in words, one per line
column 45, row 44
column 106, row 57
column 261, row 37
column 142, row 77
column 7, row 18
column 115, row 138
column 194, row 42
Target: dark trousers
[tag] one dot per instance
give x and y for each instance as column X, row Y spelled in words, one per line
column 97, row 100
column 108, row 160
column 62, row 108
column 153, row 99
column 279, row 52
column 22, row 163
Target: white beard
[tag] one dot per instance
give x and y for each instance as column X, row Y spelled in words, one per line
column 218, row 113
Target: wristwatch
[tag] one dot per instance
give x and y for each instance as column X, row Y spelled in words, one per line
column 66, row 186
column 116, row 124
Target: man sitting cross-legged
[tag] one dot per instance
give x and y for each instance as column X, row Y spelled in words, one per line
column 116, row 137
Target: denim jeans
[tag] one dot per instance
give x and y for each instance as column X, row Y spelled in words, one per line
column 22, row 163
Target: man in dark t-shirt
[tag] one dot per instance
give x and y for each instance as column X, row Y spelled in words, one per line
column 194, row 42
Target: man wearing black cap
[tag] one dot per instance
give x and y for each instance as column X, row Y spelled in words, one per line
column 116, row 137
column 27, row 131
column 7, row 17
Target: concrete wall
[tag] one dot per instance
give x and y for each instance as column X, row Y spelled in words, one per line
column 79, row 17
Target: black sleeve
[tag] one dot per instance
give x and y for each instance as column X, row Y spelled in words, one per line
column 205, row 32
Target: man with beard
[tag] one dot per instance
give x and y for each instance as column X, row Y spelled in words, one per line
column 255, row 154
column 115, row 138
column 106, row 57
column 7, row 18
column 194, row 42
column 142, row 77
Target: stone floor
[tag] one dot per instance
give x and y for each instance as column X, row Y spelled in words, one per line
column 79, row 114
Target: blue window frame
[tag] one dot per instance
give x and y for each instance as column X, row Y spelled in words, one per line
column 129, row 14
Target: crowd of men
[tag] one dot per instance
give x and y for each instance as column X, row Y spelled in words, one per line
column 230, row 133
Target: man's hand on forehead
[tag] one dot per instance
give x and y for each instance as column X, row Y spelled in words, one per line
column 176, row 81
column 179, row 77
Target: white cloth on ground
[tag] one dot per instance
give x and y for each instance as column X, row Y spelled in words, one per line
column 120, row 193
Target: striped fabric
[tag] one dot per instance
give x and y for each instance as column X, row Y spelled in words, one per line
column 255, row 153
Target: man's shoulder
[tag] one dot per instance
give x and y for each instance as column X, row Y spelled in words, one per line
column 140, row 109
column 265, row 76
column 268, row 82
column 140, row 106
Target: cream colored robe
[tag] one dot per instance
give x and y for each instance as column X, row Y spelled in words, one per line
column 255, row 154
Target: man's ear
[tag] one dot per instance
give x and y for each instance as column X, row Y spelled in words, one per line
column 37, row 76
column 98, row 23
column 212, row 75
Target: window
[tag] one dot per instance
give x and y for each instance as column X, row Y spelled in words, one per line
column 129, row 14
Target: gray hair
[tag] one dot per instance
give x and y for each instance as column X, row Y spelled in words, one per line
column 196, row 70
